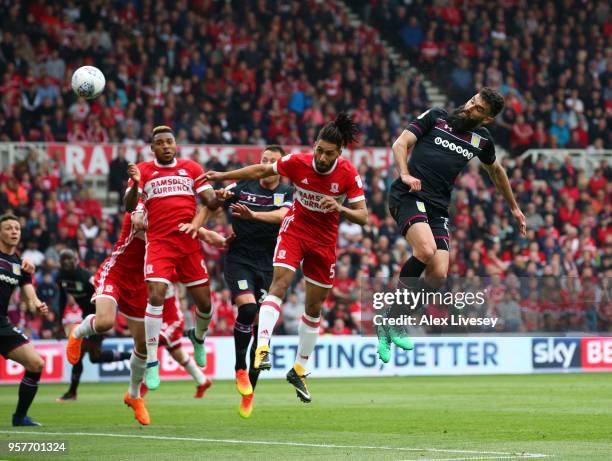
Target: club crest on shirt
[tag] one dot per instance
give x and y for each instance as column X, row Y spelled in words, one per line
column 182, row 172
column 279, row 199
column 16, row 269
column 475, row 141
column 335, row 187
column 421, row 207
column 243, row 285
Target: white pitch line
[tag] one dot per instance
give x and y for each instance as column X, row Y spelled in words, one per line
column 291, row 444
column 514, row 456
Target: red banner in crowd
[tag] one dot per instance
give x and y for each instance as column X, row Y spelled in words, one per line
column 94, row 159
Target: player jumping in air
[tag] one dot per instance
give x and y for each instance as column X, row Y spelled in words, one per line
column 442, row 145
column 322, row 182
column 14, row 344
column 78, row 282
column 168, row 187
column 258, row 207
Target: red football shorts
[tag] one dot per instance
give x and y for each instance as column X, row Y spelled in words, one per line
column 173, row 325
column 318, row 262
column 127, row 290
column 180, row 254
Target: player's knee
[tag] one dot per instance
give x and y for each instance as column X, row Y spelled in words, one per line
column 247, row 313
column 280, row 287
column 35, row 365
column 425, row 251
column 156, row 297
column 104, row 323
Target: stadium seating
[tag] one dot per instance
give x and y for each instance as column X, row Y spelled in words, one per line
column 255, row 75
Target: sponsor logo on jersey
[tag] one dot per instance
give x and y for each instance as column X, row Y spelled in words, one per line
column 279, row 199
column 251, row 198
column 453, row 147
column 475, row 141
column 312, row 200
column 305, row 181
column 335, row 187
column 167, row 186
column 108, row 288
column 421, row 207
column 243, row 285
column 7, row 279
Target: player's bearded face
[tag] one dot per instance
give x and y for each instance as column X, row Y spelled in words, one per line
column 325, row 155
column 460, row 121
column 164, row 148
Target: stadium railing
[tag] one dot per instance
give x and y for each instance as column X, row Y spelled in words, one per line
column 587, row 160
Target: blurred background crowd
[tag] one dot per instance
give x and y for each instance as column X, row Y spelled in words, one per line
column 258, row 72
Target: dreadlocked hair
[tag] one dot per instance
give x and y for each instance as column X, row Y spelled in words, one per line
column 341, row 131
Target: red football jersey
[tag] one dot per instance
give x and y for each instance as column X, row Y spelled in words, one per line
column 128, row 253
column 306, row 216
column 169, row 194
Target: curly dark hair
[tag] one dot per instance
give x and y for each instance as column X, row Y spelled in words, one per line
column 494, row 99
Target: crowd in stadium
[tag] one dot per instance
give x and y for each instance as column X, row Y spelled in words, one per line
column 274, row 73
column 554, row 69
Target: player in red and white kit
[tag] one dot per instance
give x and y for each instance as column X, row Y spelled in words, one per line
column 171, row 336
column 168, row 187
column 323, row 181
column 120, row 284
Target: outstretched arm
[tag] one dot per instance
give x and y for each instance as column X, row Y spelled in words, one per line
column 244, row 212
column 248, row 172
column 500, row 179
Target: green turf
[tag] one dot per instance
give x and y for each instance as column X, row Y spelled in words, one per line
column 564, row 416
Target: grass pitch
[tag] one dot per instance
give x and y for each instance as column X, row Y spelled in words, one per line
column 560, row 417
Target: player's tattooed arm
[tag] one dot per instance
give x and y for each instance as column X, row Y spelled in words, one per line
column 357, row 213
column 248, row 172
column 243, row 212
column 29, row 293
column 131, row 197
column 500, row 179
column 401, row 146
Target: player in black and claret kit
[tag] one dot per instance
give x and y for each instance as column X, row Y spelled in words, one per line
column 442, row 145
column 258, row 207
column 14, row 344
column 77, row 282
